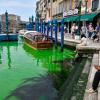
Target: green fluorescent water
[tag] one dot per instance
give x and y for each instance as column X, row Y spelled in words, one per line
column 19, row 63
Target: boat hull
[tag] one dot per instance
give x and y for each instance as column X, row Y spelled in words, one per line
column 9, row 37
column 38, row 45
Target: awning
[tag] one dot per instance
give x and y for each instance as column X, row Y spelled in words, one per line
column 88, row 17
column 71, row 19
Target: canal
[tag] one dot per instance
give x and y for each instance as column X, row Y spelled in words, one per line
column 27, row 74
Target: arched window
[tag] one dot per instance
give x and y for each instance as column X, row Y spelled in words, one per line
column 95, row 4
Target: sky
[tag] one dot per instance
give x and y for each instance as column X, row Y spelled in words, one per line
column 23, row 8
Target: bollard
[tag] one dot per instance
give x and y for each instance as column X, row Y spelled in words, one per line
column 6, row 15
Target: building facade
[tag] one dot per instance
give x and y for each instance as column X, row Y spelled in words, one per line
column 41, row 9
column 56, row 9
column 13, row 22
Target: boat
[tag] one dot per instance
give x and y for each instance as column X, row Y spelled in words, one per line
column 37, row 40
column 8, row 37
column 22, row 32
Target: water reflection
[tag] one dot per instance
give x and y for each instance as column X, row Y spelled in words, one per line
column 44, row 57
column 8, row 45
column 58, row 69
column 41, row 87
column 9, row 57
column 0, row 55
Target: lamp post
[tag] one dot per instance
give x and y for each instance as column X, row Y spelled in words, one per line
column 86, row 6
column 79, row 13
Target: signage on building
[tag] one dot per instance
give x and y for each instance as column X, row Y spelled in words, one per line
column 70, row 12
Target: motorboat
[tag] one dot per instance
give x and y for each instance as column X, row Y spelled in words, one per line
column 37, row 40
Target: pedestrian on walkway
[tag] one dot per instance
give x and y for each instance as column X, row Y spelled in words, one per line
column 96, row 33
column 83, row 42
column 95, row 81
column 84, row 30
column 91, row 30
column 74, row 29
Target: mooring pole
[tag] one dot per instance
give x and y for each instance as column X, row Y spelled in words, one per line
column 56, row 30
column 62, row 34
column 32, row 22
column 6, row 15
column 42, row 26
column 51, row 29
column 6, row 18
column 48, row 29
column 0, row 26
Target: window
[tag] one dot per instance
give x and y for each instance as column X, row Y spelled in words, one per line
column 61, row 7
column 95, row 4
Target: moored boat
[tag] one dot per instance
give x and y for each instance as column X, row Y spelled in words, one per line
column 22, row 32
column 37, row 40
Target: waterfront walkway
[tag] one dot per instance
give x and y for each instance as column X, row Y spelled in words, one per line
column 91, row 47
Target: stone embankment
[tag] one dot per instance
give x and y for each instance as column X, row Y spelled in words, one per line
column 91, row 48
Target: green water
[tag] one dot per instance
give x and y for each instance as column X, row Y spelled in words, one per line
column 27, row 74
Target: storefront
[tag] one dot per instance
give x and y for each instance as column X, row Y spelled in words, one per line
column 88, row 17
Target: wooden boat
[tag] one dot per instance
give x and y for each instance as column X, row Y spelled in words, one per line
column 37, row 40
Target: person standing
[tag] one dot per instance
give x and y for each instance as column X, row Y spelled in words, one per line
column 74, row 29
column 97, row 29
column 96, row 34
column 84, row 30
column 91, row 30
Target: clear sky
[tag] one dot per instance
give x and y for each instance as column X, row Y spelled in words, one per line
column 23, row 8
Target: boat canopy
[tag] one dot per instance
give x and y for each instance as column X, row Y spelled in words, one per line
column 35, row 36
column 32, row 33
